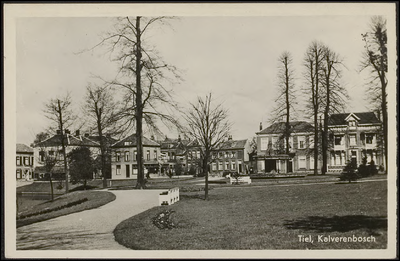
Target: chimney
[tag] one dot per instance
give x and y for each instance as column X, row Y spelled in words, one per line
column 261, row 126
column 77, row 133
column 58, row 132
column 179, row 138
column 230, row 137
column 86, row 135
column 152, row 137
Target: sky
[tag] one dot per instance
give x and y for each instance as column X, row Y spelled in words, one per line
column 234, row 57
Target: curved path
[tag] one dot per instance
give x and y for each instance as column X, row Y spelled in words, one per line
column 89, row 229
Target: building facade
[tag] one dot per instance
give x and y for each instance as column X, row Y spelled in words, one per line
column 232, row 156
column 352, row 137
column 24, row 161
column 174, row 156
column 124, row 157
column 52, row 148
column 271, row 148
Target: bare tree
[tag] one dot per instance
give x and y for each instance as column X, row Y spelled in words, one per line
column 142, row 74
column 313, row 62
column 208, row 124
column 375, row 59
column 59, row 112
column 286, row 96
column 333, row 96
column 104, row 115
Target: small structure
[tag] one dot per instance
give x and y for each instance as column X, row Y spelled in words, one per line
column 169, row 197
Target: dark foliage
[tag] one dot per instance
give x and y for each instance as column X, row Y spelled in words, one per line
column 163, row 220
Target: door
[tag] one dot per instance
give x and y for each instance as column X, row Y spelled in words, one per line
column 289, row 166
column 270, row 165
column 127, row 171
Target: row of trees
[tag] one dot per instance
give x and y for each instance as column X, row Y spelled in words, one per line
column 325, row 94
column 143, row 77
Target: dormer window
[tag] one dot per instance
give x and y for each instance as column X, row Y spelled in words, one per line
column 352, row 123
column 127, row 143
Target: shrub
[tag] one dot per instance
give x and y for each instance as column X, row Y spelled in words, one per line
column 349, row 172
column 163, row 220
column 365, row 170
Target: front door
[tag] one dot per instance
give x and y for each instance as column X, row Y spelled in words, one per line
column 289, row 166
column 127, row 171
column 270, row 165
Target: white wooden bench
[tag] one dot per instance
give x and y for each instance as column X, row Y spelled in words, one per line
column 169, row 197
column 241, row 179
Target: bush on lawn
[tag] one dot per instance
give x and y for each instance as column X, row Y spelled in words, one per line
column 349, row 172
column 365, row 170
column 163, row 220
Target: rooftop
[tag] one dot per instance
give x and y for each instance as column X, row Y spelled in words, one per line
column 24, row 148
column 130, row 141
column 295, row 127
column 363, row 118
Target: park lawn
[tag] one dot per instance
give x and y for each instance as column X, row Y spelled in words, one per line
column 269, row 217
column 93, row 199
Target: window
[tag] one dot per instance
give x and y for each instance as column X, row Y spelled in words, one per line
column 19, row 173
column 221, row 166
column 302, row 161
column 118, row 156
column 126, row 155
column 369, row 138
column 148, row 155
column 227, row 166
column 233, row 154
column 118, row 169
column 134, row 155
column 338, row 140
column 264, row 143
column 18, row 161
column 353, row 140
column 41, row 155
column 226, row 155
column 352, row 123
column 221, row 155
column 26, row 161
column 198, row 154
column 214, row 166
column 51, row 153
column 233, row 166
column 155, row 154
column 127, row 143
column 301, row 140
column 311, row 162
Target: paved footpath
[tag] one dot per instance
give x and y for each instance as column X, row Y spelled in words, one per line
column 89, row 229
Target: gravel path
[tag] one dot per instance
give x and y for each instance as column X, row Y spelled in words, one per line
column 90, row 229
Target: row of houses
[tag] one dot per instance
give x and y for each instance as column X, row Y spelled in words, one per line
column 352, row 136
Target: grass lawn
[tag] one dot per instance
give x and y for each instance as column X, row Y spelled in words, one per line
column 94, row 199
column 266, row 217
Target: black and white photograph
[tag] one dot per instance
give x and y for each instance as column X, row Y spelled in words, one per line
column 264, row 130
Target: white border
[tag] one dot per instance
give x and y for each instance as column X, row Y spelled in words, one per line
column 13, row 11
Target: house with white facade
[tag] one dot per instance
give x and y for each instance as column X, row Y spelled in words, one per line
column 271, row 147
column 24, row 161
column 231, row 156
column 52, row 147
column 124, row 157
column 354, row 136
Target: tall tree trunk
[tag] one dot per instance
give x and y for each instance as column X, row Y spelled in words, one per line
column 102, row 146
column 205, row 171
column 51, row 187
column 287, row 100
column 325, row 127
column 139, row 109
column 66, row 170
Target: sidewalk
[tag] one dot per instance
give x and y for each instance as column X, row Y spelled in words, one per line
column 90, row 229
